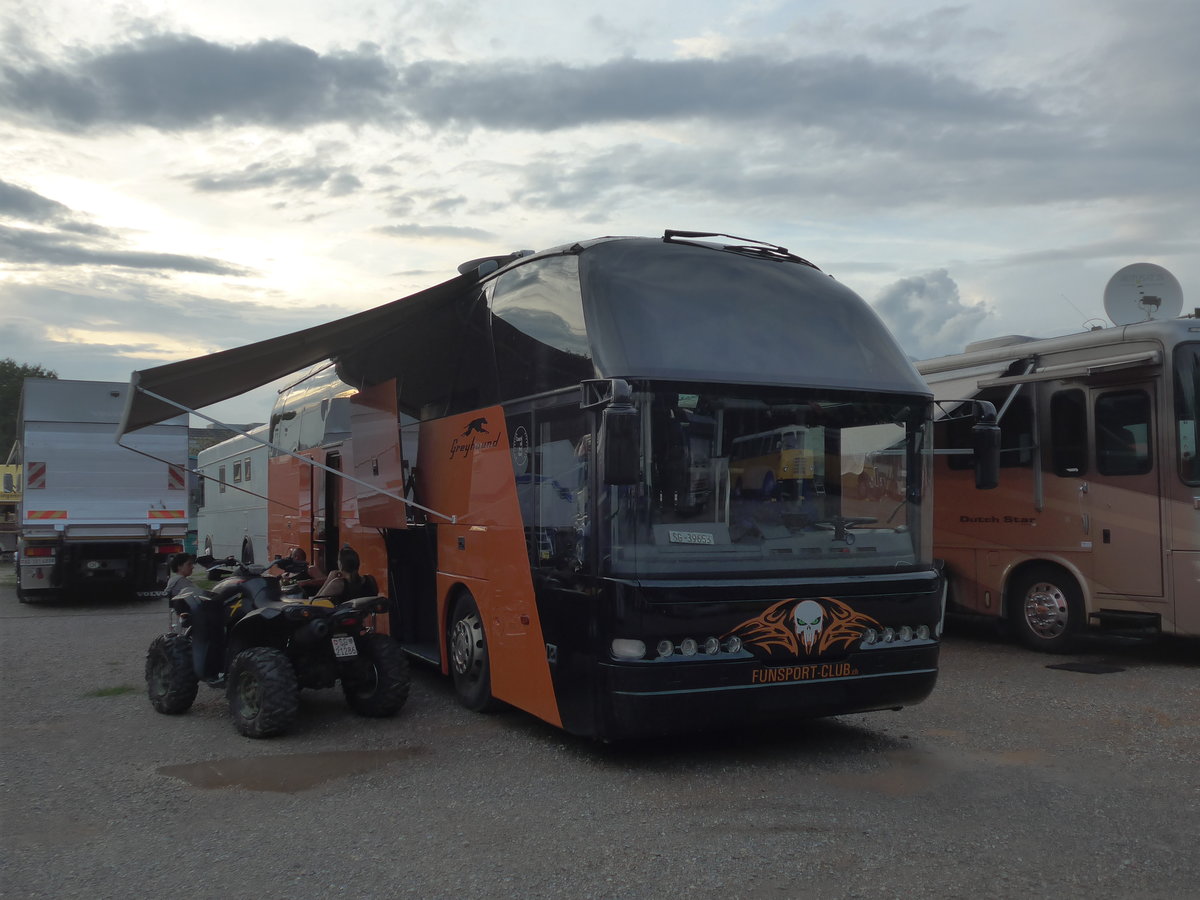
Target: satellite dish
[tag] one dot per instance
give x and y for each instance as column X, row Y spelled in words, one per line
column 1141, row 292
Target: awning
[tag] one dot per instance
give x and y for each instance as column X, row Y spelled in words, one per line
column 364, row 344
column 1080, row 369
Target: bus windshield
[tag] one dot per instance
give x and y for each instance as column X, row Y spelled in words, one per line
column 773, row 482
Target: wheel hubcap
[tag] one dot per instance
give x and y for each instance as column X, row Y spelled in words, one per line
column 464, row 645
column 1046, row 610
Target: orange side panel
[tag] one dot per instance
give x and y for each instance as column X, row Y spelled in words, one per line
column 466, row 470
column 378, row 458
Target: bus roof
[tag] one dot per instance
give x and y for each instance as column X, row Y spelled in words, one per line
column 656, row 308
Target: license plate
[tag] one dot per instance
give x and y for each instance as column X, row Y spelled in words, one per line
column 343, row 646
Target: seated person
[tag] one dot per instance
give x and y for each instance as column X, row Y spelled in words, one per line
column 345, row 582
column 298, row 572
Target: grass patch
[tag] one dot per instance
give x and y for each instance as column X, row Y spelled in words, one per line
column 115, row 691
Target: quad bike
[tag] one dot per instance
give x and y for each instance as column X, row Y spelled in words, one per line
column 275, row 647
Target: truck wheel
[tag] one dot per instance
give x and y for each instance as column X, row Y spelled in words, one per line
column 469, row 664
column 382, row 683
column 171, row 679
column 1046, row 608
column 263, row 695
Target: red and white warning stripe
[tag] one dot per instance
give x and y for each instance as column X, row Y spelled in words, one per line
column 35, row 475
column 175, row 480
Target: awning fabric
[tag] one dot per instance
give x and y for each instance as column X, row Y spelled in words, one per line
column 358, row 343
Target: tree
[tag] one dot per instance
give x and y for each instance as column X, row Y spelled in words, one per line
column 12, row 376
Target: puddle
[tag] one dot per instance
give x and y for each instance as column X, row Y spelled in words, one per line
column 288, row 773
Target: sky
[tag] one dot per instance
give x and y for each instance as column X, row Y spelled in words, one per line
column 178, row 178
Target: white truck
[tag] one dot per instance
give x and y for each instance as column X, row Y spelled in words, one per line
column 96, row 517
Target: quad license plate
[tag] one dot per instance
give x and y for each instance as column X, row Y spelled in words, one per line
column 343, row 646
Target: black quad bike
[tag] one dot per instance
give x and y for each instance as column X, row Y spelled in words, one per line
column 275, row 647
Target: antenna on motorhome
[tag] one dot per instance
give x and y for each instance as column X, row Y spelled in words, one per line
column 1141, row 292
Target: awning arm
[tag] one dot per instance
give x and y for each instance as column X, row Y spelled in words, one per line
column 453, row 520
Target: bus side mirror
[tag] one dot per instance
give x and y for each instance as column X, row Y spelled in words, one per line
column 619, row 438
column 985, row 445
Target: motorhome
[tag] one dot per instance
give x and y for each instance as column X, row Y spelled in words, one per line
column 232, row 517
column 1096, row 522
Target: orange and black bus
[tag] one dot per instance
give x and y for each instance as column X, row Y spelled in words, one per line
column 542, row 447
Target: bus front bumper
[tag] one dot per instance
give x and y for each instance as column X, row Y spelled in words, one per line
column 647, row 699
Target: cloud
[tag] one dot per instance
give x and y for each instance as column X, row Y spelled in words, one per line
column 21, row 203
column 928, row 316
column 336, row 181
column 71, row 241
column 177, row 81
column 436, row 231
column 27, row 247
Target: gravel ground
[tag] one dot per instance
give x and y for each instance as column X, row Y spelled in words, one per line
column 1013, row 780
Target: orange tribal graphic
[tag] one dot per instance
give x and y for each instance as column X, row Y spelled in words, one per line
column 796, row 627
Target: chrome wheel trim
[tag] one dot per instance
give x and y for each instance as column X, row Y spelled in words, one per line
column 1046, row 610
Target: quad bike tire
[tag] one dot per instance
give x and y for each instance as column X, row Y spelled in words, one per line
column 382, row 690
column 171, row 680
column 263, row 693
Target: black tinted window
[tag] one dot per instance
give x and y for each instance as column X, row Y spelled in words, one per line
column 538, row 328
column 1068, row 432
column 1123, row 433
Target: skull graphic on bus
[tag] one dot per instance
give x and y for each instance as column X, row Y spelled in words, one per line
column 803, row 627
column 809, row 616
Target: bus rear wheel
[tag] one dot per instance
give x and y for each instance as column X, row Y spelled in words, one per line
column 470, row 666
column 1046, row 607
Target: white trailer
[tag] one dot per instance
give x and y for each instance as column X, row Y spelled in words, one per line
column 232, row 518
column 96, row 517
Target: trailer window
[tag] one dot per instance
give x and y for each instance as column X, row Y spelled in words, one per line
column 1123, row 433
column 1068, row 430
column 1187, row 410
column 221, row 479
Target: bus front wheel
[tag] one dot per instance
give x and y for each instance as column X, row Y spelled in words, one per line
column 1046, row 608
column 470, row 666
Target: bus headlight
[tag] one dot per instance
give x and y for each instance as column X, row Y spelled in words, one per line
column 665, row 648
column 712, row 646
column 688, row 647
column 628, row 648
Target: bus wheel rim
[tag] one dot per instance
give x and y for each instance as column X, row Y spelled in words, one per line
column 464, row 644
column 1046, row 610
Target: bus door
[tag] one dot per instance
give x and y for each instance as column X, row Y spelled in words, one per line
column 1120, row 495
column 326, row 512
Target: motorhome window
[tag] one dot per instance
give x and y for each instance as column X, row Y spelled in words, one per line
column 221, row 478
column 1187, row 410
column 1016, row 432
column 538, row 328
column 246, row 468
column 1068, row 430
column 237, row 473
column 1123, row 436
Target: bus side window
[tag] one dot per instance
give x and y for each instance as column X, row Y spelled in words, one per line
column 1068, row 430
column 1123, row 433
